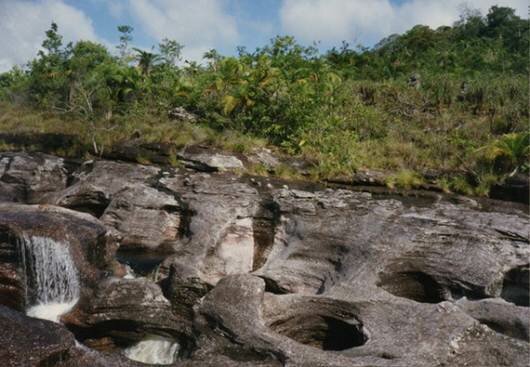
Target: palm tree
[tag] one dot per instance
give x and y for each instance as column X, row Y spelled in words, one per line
column 146, row 60
column 513, row 149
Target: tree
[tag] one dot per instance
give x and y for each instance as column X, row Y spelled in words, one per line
column 125, row 39
column 48, row 79
column 146, row 60
column 53, row 42
column 170, row 51
column 85, row 77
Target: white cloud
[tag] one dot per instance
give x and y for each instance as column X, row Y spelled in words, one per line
column 332, row 21
column 198, row 24
column 23, row 23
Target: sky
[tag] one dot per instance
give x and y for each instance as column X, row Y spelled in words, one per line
column 201, row 25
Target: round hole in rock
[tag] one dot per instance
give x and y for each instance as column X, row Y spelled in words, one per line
column 414, row 285
column 323, row 332
column 141, row 262
column 515, row 286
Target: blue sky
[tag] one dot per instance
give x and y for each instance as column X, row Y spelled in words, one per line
column 221, row 24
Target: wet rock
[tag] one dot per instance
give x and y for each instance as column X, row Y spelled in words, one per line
column 126, row 310
column 25, row 341
column 12, row 277
column 84, row 235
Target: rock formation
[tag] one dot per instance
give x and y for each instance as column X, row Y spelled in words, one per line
column 258, row 272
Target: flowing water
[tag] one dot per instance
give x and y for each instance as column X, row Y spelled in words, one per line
column 52, row 282
column 153, row 349
column 52, row 286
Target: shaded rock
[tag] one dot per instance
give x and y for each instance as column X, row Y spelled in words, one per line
column 30, row 178
column 126, row 310
column 44, row 142
column 514, row 188
column 515, row 286
column 89, row 246
column 184, row 290
column 25, row 341
column 506, row 319
column 12, row 277
column 137, row 150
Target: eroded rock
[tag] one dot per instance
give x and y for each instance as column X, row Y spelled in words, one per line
column 125, row 310
column 85, row 236
column 254, row 274
column 30, row 178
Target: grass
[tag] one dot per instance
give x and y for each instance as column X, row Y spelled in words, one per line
column 405, row 132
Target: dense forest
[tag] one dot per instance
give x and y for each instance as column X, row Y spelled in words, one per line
column 452, row 100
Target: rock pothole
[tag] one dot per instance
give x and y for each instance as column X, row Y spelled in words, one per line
column 141, row 262
column 516, row 285
column 264, row 228
column 323, row 332
column 415, row 285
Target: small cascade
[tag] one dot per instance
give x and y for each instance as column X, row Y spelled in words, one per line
column 52, row 283
column 129, row 273
column 153, row 349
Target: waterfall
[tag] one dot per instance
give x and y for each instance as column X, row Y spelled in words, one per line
column 153, row 349
column 51, row 277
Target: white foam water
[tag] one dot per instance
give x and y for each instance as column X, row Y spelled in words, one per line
column 129, row 273
column 51, row 275
column 153, row 349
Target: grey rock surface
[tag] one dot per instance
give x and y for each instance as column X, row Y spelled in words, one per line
column 266, row 273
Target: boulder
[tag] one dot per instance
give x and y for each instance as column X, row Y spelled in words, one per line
column 30, row 178
column 96, row 183
column 26, row 341
column 208, row 162
column 125, row 310
column 219, row 230
column 272, row 273
column 85, row 236
column 514, row 188
column 141, row 217
column 264, row 157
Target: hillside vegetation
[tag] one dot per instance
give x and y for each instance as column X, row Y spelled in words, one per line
column 450, row 102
